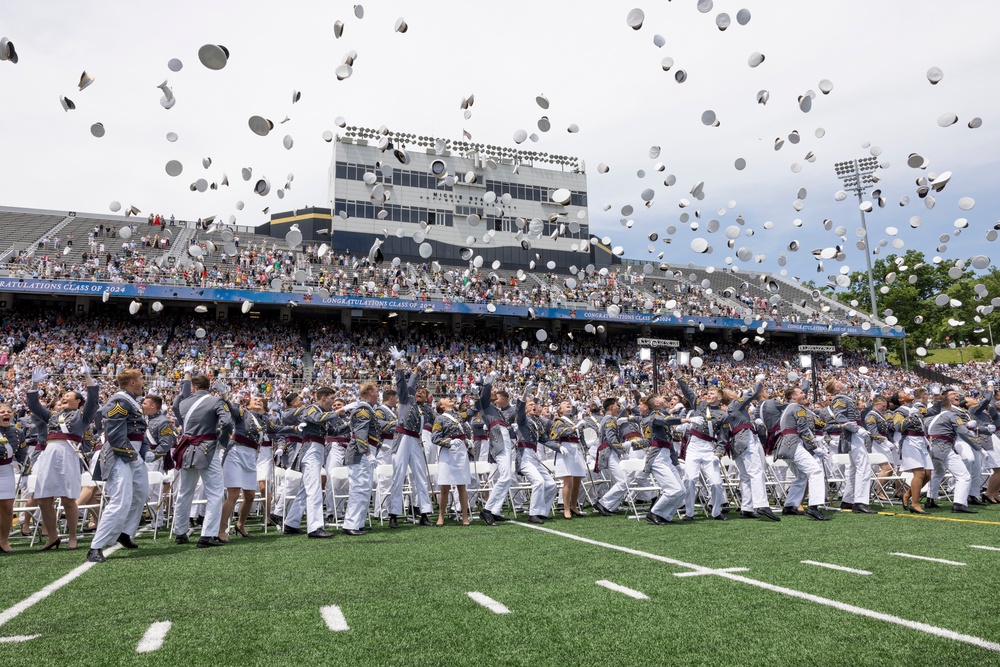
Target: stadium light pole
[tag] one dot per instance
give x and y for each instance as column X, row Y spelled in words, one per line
column 856, row 176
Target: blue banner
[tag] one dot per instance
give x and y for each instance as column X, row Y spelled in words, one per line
column 167, row 292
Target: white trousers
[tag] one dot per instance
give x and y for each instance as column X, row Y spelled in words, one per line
column 807, row 472
column 409, row 455
column 753, row 490
column 612, row 498
column 672, row 488
column 211, row 479
column 543, row 487
column 310, row 495
column 383, row 485
column 360, row 495
column 701, row 459
column 959, row 471
column 125, row 491
column 504, row 477
column 973, row 459
column 858, row 478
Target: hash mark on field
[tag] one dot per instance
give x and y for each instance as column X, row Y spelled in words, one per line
column 831, row 566
column 932, row 560
column 489, row 603
column 978, row 546
column 808, row 597
column 632, row 593
column 18, row 638
column 700, row 573
column 35, row 598
column 334, row 618
column 153, row 639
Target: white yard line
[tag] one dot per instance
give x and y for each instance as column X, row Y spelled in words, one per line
column 979, row 546
column 35, row 598
column 831, row 566
column 701, row 574
column 18, row 638
column 632, row 593
column 932, row 560
column 153, row 639
column 334, row 618
column 859, row 611
column 489, row 603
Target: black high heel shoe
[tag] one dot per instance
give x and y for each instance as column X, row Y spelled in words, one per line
column 243, row 532
column 53, row 545
column 6, row 551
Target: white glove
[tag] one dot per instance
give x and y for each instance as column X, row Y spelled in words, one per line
column 396, row 354
column 529, row 389
column 188, row 368
column 150, row 457
column 564, row 451
column 84, row 368
column 426, row 364
column 760, row 377
column 758, row 422
column 301, row 427
column 350, row 407
column 991, row 429
column 972, row 424
column 39, row 375
column 220, row 387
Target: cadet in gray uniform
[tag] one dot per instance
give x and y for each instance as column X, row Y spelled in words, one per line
column 531, row 435
column 703, row 449
column 312, row 419
column 159, row 442
column 661, row 464
column 12, row 449
column 943, row 430
column 609, row 452
column 122, row 467
column 746, row 452
column 492, row 407
column 360, row 462
column 795, row 444
column 385, row 417
column 206, row 425
column 855, row 441
column 408, row 451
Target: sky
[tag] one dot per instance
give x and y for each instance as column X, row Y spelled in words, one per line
column 596, row 71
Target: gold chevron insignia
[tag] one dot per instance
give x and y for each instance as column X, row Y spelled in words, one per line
column 118, row 410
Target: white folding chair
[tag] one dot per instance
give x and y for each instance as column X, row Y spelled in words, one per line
column 338, row 478
column 630, row 468
column 886, row 486
column 382, row 473
column 285, row 480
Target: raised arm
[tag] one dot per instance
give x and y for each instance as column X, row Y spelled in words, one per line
column 687, row 393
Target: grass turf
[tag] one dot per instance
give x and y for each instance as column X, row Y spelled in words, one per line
column 403, row 594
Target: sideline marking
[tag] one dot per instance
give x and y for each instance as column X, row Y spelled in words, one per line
column 835, row 567
column 18, row 638
column 860, row 611
column 153, row 639
column 699, row 574
column 979, row 546
column 618, row 588
column 489, row 603
column 334, row 618
column 35, row 598
column 940, row 518
column 932, row 560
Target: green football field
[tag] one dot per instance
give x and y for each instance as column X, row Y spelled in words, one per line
column 402, row 597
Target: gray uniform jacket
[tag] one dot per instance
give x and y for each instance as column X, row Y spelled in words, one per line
column 71, row 423
column 407, row 412
column 206, row 424
column 494, row 419
column 738, row 421
column 124, row 431
column 364, row 433
column 796, row 429
column 708, row 421
column 162, row 433
column 610, row 440
column 943, row 429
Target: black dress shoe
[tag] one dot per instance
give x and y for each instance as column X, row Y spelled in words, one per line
column 487, row 518
column 292, row 530
column 861, row 508
column 575, row 513
column 424, row 521
column 963, row 509
column 768, row 513
column 719, row 517
column 500, row 518
column 181, row 539
column 687, row 518
column 206, row 542
column 392, row 521
column 974, row 500
column 846, row 506
column 534, row 518
column 320, row 534
column 930, row 503
column 749, row 515
column 353, row 533
column 814, row 513
column 126, row 541
column 601, row 509
column 364, row 528
column 275, row 519
column 656, row 519
column 95, row 556
column 788, row 510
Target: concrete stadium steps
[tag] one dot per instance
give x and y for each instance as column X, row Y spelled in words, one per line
column 25, row 228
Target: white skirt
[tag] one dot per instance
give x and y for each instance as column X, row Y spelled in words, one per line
column 914, row 453
column 572, row 465
column 453, row 467
column 7, row 490
column 265, row 463
column 888, row 449
column 57, row 471
column 240, row 469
